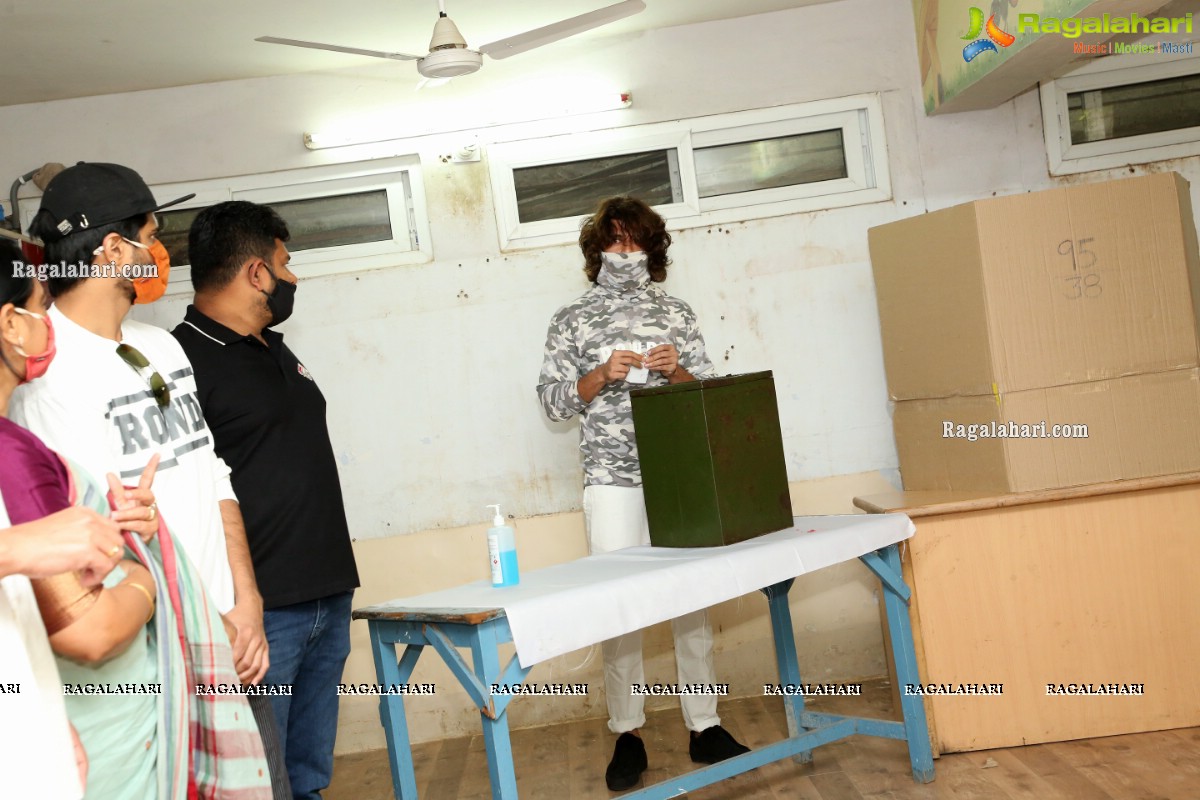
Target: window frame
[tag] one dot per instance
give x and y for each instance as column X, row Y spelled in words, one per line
column 856, row 169
column 576, row 147
column 1066, row 158
column 397, row 210
column 394, row 175
column 860, row 118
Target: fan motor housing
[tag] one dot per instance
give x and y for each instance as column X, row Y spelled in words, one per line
column 450, row 63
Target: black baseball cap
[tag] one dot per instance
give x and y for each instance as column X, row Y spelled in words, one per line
column 90, row 195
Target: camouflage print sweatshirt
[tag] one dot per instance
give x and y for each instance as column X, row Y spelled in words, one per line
column 580, row 338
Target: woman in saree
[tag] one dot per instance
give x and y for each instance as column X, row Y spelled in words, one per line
column 132, row 650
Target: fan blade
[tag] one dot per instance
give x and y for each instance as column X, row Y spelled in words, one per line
column 431, row 83
column 561, row 30
column 354, row 51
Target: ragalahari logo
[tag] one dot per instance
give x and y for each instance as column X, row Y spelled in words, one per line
column 995, row 36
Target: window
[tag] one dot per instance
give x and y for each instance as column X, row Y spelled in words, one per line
column 333, row 221
column 701, row 171
column 1135, row 109
column 770, row 163
column 570, row 189
column 342, row 218
column 1122, row 109
column 173, row 229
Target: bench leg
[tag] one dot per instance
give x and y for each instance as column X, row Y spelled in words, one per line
column 485, row 652
column 786, row 660
column 916, row 727
column 391, row 708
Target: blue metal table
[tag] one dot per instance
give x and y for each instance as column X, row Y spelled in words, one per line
column 482, row 631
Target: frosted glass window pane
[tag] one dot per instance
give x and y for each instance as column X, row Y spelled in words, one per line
column 770, row 163
column 574, row 188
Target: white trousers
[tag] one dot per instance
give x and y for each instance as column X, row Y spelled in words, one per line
column 615, row 517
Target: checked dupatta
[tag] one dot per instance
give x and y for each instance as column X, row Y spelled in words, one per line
column 209, row 744
column 226, row 752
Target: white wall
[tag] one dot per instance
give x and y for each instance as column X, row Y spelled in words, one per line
column 432, row 392
column 432, row 409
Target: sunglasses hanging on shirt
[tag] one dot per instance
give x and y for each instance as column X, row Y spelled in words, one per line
column 141, row 365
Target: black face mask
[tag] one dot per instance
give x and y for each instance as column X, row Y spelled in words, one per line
column 280, row 300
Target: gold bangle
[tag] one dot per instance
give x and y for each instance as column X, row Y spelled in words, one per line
column 145, row 592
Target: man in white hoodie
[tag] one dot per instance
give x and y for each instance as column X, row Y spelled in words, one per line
column 626, row 332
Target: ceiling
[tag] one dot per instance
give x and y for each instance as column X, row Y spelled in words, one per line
column 129, row 45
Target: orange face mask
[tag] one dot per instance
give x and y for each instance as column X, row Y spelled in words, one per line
column 150, row 289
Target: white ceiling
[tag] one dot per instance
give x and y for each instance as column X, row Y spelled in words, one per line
column 56, row 49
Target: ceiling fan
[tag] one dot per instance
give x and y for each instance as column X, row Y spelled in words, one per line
column 449, row 55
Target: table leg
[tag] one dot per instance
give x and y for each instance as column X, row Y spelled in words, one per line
column 916, row 727
column 485, row 654
column 391, row 707
column 787, row 660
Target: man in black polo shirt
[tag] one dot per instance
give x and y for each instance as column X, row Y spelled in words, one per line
column 267, row 417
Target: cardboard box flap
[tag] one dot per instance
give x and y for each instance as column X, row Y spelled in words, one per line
column 931, row 304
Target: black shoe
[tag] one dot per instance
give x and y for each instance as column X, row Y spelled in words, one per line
column 627, row 765
column 714, row 744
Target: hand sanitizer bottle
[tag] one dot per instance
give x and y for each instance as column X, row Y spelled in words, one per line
column 502, row 549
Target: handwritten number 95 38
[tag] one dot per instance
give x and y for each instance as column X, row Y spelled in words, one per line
column 1082, row 283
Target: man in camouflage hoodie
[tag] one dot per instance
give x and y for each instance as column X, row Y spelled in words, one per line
column 624, row 332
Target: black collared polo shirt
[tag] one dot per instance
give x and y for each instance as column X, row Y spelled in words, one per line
column 267, row 417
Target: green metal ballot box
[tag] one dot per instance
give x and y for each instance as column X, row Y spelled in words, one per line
column 711, row 451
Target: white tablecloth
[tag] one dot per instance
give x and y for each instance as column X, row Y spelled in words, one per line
column 569, row 606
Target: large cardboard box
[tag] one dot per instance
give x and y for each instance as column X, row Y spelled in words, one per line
column 1006, row 294
column 711, row 452
column 1135, row 427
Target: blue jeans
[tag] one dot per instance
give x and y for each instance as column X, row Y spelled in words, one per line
column 309, row 644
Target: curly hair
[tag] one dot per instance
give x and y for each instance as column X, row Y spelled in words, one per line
column 640, row 222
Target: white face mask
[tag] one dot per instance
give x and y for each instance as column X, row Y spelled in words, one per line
column 624, row 272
